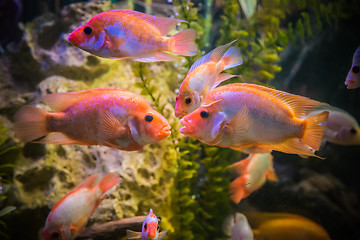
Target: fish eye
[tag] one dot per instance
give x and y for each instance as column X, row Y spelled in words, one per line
column 158, row 228
column 188, row 100
column 55, row 235
column 87, row 30
column 353, row 131
column 149, row 118
column 204, row 114
column 145, row 226
column 356, row 69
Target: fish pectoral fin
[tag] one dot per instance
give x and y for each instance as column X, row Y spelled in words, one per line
column 132, row 234
column 239, row 125
column 57, row 138
column 162, row 234
column 111, row 127
column 291, row 146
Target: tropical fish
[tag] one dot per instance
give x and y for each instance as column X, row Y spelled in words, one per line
column 242, row 115
column 284, row 226
column 341, row 127
column 353, row 77
column 238, row 227
column 253, row 171
column 150, row 229
column 204, row 75
column 105, row 116
column 70, row 215
column 123, row 33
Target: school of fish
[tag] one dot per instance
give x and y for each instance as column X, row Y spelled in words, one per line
column 245, row 117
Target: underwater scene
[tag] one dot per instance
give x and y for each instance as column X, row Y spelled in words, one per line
column 175, row 119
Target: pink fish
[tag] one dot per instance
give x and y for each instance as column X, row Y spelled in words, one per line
column 123, row 33
column 70, row 215
column 105, row 116
column 204, row 75
column 253, row 171
column 353, row 77
column 249, row 116
column 150, row 229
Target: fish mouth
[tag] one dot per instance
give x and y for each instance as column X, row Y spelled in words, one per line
column 72, row 39
column 188, row 128
column 164, row 132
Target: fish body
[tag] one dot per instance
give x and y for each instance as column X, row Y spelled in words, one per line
column 238, row 227
column 204, row 75
column 253, row 171
column 341, row 127
column 106, row 116
column 123, row 33
column 150, row 229
column 353, row 78
column 70, row 215
column 284, row 226
column 255, row 117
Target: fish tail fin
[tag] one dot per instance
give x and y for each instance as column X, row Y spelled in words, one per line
column 108, row 182
column 184, row 43
column 314, row 131
column 237, row 189
column 30, row 123
column 232, row 58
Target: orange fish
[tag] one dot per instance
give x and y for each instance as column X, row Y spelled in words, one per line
column 105, row 116
column 253, row 171
column 284, row 226
column 204, row 75
column 123, row 33
column 249, row 116
column 70, row 215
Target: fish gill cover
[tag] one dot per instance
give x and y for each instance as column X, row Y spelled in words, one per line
column 183, row 179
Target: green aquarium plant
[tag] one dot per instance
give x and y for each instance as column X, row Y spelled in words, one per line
column 5, row 180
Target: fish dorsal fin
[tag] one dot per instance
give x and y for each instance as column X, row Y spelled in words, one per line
column 89, row 182
column 60, row 101
column 214, row 55
column 163, row 24
column 132, row 234
column 299, row 105
column 240, row 166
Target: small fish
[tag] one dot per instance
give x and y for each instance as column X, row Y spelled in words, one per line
column 341, row 127
column 105, row 116
column 70, row 215
column 150, row 229
column 353, row 77
column 123, row 33
column 285, row 226
column 243, row 115
column 253, row 171
column 204, row 75
column 238, row 227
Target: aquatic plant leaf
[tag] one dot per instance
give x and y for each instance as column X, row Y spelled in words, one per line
column 248, row 6
column 6, row 210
